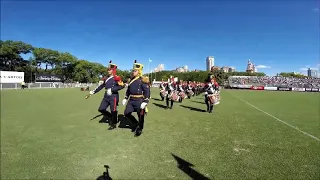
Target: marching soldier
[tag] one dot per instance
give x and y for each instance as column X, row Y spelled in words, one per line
column 210, row 89
column 112, row 84
column 136, row 99
column 171, row 86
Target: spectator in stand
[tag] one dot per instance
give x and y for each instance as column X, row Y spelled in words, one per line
column 275, row 81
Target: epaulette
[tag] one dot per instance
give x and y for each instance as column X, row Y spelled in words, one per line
column 145, row 79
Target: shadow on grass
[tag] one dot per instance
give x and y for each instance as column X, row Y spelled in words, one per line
column 160, row 105
column 198, row 102
column 156, row 99
column 105, row 175
column 104, row 119
column 185, row 166
column 124, row 122
column 193, row 108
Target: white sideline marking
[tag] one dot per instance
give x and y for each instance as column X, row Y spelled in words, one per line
column 313, row 137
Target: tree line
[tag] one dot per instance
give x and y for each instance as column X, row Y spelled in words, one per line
column 71, row 69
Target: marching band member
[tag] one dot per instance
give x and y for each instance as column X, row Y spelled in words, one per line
column 162, row 89
column 189, row 89
column 112, row 84
column 136, row 99
column 210, row 93
column 180, row 90
column 170, row 88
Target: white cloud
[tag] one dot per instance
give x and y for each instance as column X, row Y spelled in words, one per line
column 315, row 9
column 262, row 67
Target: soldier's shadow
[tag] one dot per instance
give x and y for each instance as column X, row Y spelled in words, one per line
column 104, row 119
column 105, row 175
column 156, row 99
column 193, row 108
column 198, row 102
column 124, row 122
column 160, row 105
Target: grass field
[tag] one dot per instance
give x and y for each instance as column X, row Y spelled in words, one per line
column 48, row 134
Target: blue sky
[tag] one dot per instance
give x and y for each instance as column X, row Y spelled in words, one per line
column 280, row 35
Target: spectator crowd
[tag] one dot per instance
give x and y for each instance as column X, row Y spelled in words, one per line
column 275, row 81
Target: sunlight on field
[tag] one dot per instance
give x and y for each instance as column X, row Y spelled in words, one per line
column 50, row 133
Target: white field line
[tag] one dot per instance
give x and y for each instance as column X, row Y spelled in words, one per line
column 307, row 134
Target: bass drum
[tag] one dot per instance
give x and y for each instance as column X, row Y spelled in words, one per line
column 174, row 96
column 211, row 98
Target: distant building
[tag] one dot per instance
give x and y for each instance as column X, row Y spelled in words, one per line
column 312, row 72
column 159, row 68
column 251, row 67
column 231, row 69
column 182, row 69
column 209, row 62
column 196, row 70
column 215, row 68
column 225, row 69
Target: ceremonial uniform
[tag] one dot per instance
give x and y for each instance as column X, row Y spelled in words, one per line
column 171, row 86
column 189, row 90
column 210, row 90
column 136, row 99
column 162, row 88
column 112, row 85
column 180, row 90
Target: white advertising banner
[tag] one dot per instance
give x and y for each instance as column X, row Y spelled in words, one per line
column 271, row 88
column 11, row 77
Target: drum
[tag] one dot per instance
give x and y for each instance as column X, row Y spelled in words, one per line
column 174, row 96
column 164, row 93
column 190, row 92
column 182, row 95
column 211, row 98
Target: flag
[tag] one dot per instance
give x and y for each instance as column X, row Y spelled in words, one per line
column 150, row 60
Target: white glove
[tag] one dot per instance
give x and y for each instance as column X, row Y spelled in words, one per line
column 143, row 105
column 109, row 91
column 91, row 92
column 124, row 101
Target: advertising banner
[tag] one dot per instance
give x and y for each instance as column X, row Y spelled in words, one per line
column 271, row 88
column 308, row 89
column 11, row 77
column 47, row 78
column 284, row 89
column 244, row 86
column 257, row 88
column 299, row 89
column 315, row 90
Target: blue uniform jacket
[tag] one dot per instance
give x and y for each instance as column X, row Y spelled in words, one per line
column 138, row 89
column 110, row 83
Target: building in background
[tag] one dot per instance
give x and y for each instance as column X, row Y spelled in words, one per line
column 209, row 62
column 231, row 69
column 312, row 72
column 251, row 67
column 215, row 68
column 225, row 69
column 182, row 69
column 159, row 68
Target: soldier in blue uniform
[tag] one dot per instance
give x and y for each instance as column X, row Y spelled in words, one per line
column 112, row 84
column 136, row 99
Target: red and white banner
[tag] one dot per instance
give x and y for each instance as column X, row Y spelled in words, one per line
column 257, row 88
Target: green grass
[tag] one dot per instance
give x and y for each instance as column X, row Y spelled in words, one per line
column 48, row 134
